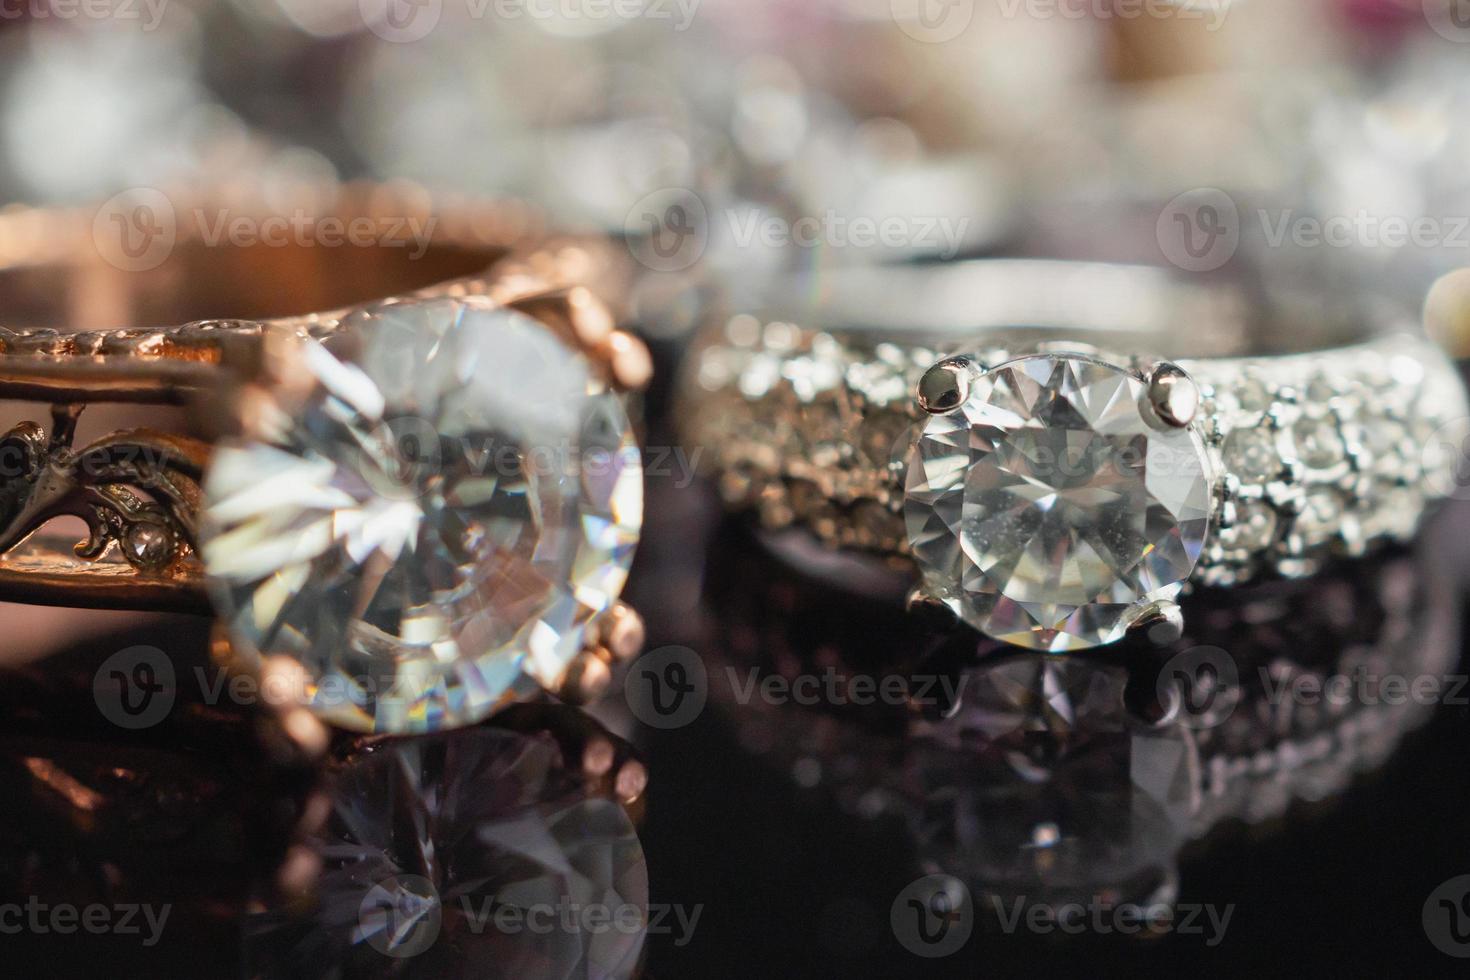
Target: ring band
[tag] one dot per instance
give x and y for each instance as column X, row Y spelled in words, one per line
column 1040, row 440
column 375, row 521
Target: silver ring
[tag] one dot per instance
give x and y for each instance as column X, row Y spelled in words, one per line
column 1062, row 449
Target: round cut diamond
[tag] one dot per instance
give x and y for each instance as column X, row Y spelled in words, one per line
column 1051, row 507
column 445, row 497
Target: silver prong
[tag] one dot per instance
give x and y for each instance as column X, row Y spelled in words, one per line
column 1161, row 621
column 1173, row 394
column 936, row 612
column 946, row 385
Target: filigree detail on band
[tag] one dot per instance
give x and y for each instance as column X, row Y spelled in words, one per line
column 136, row 490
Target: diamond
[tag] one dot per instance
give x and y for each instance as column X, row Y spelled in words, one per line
column 1255, row 526
column 1319, row 443
column 1321, row 514
column 1253, row 395
column 1251, row 454
column 437, row 514
column 1052, row 506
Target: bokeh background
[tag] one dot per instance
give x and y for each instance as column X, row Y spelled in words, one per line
column 1183, row 133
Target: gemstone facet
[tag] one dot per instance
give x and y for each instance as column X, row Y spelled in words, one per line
column 433, row 517
column 1051, row 507
column 475, row 853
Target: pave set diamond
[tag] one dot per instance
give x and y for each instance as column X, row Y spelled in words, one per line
column 1300, row 457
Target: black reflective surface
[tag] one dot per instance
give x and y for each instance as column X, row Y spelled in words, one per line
column 786, row 820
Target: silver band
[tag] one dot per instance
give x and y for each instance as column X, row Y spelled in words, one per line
column 1320, row 412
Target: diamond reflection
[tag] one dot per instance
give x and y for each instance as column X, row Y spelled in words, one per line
column 469, row 854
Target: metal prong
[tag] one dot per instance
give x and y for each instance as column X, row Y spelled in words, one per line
column 614, row 637
column 586, row 321
column 946, row 385
column 588, row 677
column 574, row 311
column 1173, row 394
column 936, row 613
column 1162, row 621
column 620, row 631
column 632, row 365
